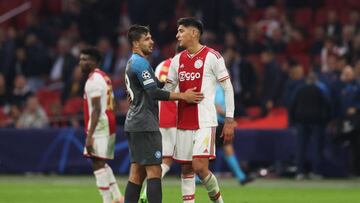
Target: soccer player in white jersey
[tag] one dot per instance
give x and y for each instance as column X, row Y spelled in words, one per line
column 99, row 124
column 201, row 67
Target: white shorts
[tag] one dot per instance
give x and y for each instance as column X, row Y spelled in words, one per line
column 104, row 147
column 168, row 141
column 195, row 144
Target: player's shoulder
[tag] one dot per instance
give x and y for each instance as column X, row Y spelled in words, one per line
column 95, row 78
column 214, row 53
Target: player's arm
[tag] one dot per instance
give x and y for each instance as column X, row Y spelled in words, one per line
column 225, row 82
column 189, row 95
column 230, row 124
column 94, row 119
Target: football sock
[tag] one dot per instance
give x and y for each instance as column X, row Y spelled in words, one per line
column 164, row 168
column 188, row 187
column 102, row 182
column 154, row 191
column 132, row 192
column 235, row 167
column 114, row 188
column 212, row 187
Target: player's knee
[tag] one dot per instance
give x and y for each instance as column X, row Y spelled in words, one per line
column 199, row 168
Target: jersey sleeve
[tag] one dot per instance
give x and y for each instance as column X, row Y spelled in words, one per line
column 172, row 77
column 219, row 68
column 95, row 86
column 144, row 74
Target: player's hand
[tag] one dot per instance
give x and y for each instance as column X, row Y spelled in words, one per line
column 228, row 130
column 190, row 96
column 89, row 142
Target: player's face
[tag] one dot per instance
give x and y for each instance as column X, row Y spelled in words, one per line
column 185, row 35
column 146, row 44
column 86, row 63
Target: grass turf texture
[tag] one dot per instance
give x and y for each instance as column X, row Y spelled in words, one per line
column 82, row 189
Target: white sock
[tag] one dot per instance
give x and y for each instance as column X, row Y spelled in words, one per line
column 164, row 168
column 212, row 187
column 114, row 188
column 188, row 187
column 102, row 182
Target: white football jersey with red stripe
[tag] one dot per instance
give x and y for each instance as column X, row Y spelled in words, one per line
column 201, row 70
column 99, row 85
column 167, row 109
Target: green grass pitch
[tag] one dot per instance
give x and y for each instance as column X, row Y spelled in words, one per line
column 82, row 189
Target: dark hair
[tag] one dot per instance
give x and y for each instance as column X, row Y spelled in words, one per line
column 93, row 52
column 135, row 32
column 191, row 22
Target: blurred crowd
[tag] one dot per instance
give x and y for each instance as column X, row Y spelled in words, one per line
column 302, row 55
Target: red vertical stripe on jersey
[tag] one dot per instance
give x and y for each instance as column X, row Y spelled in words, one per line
column 190, row 74
column 167, row 109
column 86, row 113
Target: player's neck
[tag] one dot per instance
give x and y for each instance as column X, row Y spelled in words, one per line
column 138, row 52
column 194, row 48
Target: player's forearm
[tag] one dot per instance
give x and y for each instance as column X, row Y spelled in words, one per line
column 95, row 116
column 158, row 94
column 176, row 96
column 229, row 98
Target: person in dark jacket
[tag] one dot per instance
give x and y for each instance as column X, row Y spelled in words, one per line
column 309, row 112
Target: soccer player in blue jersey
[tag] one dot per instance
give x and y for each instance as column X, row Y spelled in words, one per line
column 142, row 125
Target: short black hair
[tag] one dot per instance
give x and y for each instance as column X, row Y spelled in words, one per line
column 135, row 32
column 93, row 52
column 193, row 22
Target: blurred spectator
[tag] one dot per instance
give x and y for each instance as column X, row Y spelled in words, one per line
column 13, row 116
column 318, row 41
column 357, row 71
column 21, row 91
column 4, row 94
column 270, row 22
column 329, row 49
column 7, row 53
column 74, row 86
column 108, row 55
column 276, row 41
column 37, row 61
column 309, row 113
column 252, row 44
column 350, row 114
column 244, row 80
column 332, row 25
column 123, row 54
column 33, row 115
column 63, row 65
column 297, row 44
column 356, row 48
column 296, row 78
column 270, row 82
column 354, row 20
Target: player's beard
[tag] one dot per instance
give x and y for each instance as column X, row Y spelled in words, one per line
column 147, row 51
column 86, row 69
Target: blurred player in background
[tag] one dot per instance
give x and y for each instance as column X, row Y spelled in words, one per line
column 201, row 67
column 142, row 124
column 228, row 148
column 99, row 124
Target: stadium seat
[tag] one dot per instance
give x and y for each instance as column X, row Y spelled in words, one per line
column 73, row 106
column 50, row 101
column 303, row 17
column 255, row 15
